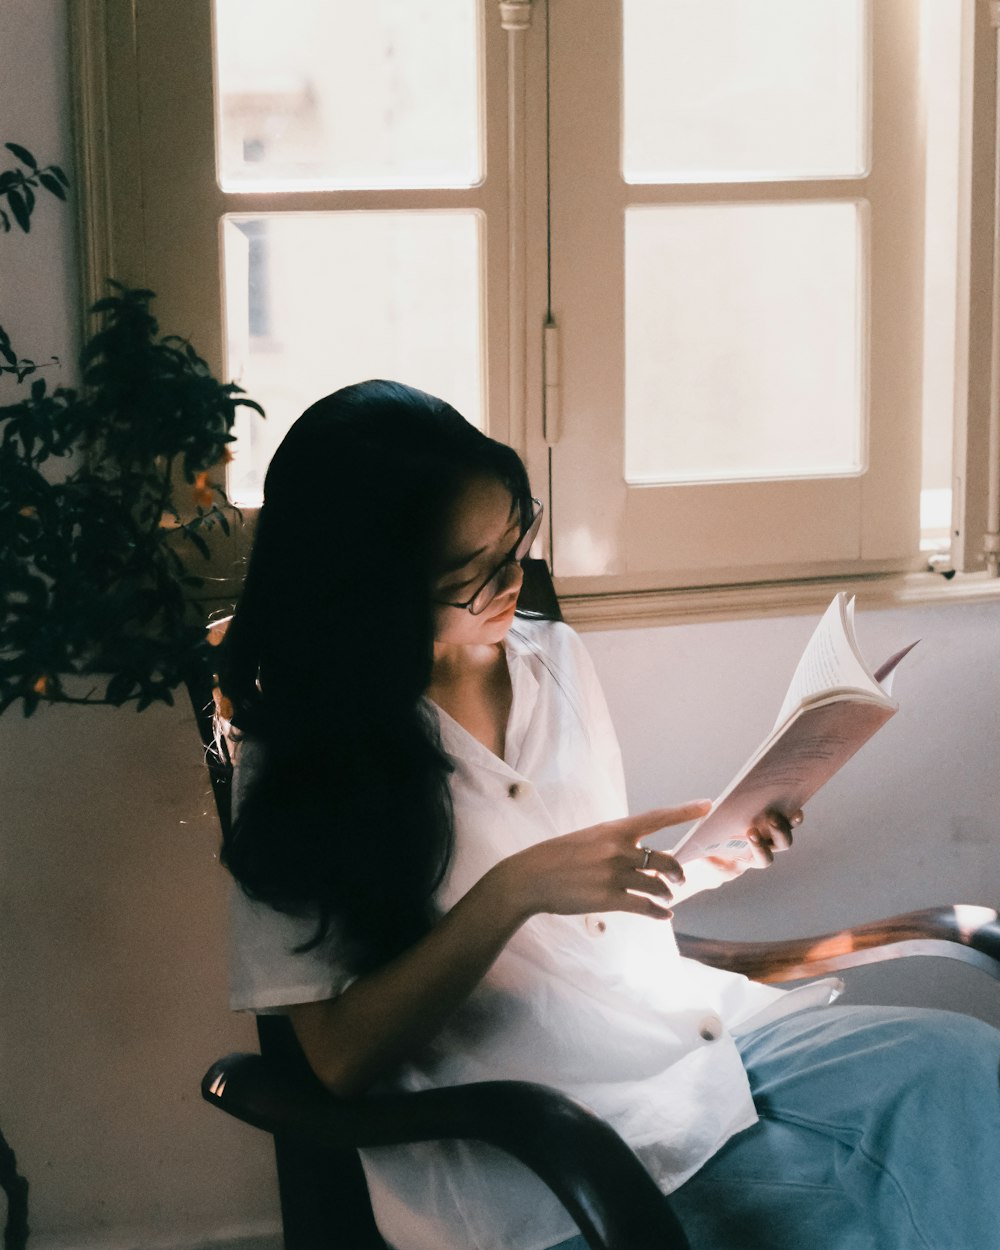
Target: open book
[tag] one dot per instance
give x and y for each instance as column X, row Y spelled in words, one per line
column 833, row 706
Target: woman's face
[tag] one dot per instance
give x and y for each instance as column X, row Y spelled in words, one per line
column 483, row 527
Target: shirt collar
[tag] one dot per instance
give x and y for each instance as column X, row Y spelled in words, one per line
column 460, row 744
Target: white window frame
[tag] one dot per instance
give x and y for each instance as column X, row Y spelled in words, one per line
column 616, row 534
column 133, row 227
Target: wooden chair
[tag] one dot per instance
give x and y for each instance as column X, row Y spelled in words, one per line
column 597, row 1177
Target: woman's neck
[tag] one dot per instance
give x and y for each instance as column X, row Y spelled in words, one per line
column 472, row 684
column 455, row 661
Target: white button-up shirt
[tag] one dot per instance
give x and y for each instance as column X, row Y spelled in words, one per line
column 601, row 1006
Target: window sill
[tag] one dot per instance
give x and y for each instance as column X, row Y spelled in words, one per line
column 720, row 603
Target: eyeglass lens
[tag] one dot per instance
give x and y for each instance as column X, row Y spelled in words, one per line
column 505, row 573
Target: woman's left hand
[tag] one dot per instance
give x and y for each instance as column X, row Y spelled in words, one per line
column 770, row 834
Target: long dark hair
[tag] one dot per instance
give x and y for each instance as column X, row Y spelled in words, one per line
column 347, row 817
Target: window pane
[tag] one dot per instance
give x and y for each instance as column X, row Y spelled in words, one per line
column 723, row 90
column 315, row 301
column 743, row 342
column 334, row 93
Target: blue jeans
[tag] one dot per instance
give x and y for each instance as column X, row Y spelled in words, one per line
column 879, row 1130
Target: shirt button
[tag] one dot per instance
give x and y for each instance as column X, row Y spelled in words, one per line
column 513, row 790
column 595, row 925
column 710, row 1028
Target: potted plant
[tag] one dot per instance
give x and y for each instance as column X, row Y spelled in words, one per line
column 105, row 491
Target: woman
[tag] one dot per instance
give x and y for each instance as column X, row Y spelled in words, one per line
column 441, row 884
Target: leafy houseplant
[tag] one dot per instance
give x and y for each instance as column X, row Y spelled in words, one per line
column 18, row 187
column 93, row 535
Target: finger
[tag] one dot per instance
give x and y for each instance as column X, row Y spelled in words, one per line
column 637, row 827
column 760, row 849
column 660, row 862
column 642, row 905
column 778, row 834
column 781, row 839
column 644, row 881
column 796, row 818
column 775, row 828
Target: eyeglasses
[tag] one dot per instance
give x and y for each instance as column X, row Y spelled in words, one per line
column 500, row 578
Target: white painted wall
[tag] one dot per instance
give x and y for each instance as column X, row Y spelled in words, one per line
column 112, row 984
column 112, row 963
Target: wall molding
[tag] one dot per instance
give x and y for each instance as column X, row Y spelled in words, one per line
column 648, row 609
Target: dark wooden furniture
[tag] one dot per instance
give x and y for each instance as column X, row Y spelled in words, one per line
column 600, row 1181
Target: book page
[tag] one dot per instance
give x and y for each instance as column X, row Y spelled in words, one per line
column 831, row 660
column 833, row 706
column 886, row 672
column 784, row 773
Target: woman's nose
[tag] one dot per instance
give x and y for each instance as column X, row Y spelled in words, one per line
column 513, row 576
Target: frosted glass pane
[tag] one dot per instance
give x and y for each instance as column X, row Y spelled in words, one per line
column 337, row 93
column 743, row 342
column 722, row 90
column 315, row 301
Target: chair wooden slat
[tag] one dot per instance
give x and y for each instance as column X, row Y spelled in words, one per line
column 964, row 932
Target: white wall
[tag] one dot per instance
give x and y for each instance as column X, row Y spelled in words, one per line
column 112, row 963
column 112, row 982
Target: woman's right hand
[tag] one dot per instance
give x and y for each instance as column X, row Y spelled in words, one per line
column 354, row 1039
column 601, row 868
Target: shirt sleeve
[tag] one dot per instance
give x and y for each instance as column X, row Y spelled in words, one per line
column 266, row 972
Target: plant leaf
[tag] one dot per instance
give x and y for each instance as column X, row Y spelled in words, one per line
column 198, row 541
column 52, row 184
column 20, row 210
column 22, row 154
column 120, row 687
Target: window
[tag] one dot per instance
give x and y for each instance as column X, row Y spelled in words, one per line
column 380, row 99
column 757, row 237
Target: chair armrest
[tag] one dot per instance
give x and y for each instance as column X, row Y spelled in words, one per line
column 590, row 1169
column 965, row 932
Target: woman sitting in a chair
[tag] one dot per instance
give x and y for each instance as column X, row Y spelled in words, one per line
column 441, row 884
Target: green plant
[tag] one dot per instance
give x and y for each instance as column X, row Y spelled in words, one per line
column 94, row 578
column 18, row 187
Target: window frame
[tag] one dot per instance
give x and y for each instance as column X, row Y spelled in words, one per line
column 648, row 536
column 114, row 177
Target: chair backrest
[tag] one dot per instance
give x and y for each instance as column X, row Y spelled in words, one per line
column 538, row 595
